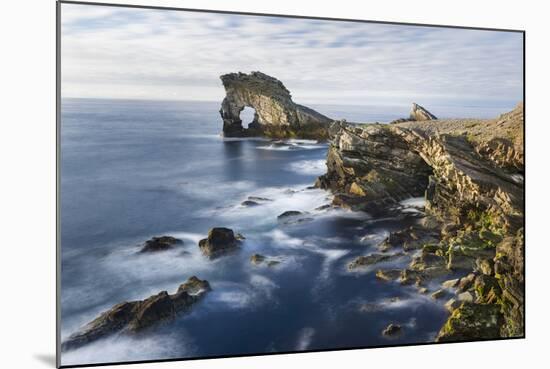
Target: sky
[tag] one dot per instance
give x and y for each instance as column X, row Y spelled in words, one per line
column 112, row 52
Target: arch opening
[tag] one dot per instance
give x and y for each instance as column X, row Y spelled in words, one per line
column 247, row 116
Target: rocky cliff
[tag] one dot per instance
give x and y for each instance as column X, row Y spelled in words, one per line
column 471, row 174
column 276, row 115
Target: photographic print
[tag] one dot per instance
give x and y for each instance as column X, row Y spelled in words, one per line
column 239, row 184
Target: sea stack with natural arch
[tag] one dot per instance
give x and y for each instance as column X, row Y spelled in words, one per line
column 276, row 115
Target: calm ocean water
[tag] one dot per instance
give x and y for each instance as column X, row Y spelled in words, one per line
column 136, row 169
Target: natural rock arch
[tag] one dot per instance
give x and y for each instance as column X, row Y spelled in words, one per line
column 276, row 114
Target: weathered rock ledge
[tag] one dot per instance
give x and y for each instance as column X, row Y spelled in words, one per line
column 471, row 174
column 135, row 316
column 276, row 115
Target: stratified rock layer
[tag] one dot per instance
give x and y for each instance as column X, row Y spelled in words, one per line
column 276, row 115
column 471, row 174
column 419, row 113
column 134, row 316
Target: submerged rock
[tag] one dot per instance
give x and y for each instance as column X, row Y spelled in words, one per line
column 388, row 274
column 289, row 213
column 439, row 294
column 249, row 203
column 160, row 243
column 364, row 261
column 276, row 115
column 392, row 330
column 134, row 316
column 219, row 240
column 258, row 199
column 258, row 259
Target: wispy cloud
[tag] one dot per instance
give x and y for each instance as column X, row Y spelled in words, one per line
column 140, row 53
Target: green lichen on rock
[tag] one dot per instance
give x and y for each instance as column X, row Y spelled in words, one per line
column 472, row 321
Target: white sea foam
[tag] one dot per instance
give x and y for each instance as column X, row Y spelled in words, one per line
column 230, row 139
column 292, row 145
column 282, row 199
column 125, row 348
column 374, row 238
column 418, row 202
column 308, row 167
column 237, row 296
column 204, row 190
column 518, row 178
column 305, row 336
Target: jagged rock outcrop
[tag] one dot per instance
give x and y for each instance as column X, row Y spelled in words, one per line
column 134, row 316
column 471, row 174
column 220, row 240
column 372, row 167
column 276, row 115
column 418, row 113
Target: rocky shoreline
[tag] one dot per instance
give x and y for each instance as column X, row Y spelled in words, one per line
column 471, row 175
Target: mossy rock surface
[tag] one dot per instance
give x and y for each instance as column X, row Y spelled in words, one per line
column 472, row 321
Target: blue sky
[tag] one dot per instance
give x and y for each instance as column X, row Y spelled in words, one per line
column 110, row 52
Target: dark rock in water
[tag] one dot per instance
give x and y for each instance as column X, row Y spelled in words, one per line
column 160, row 243
column 364, row 261
column 472, row 322
column 392, row 330
column 419, row 113
column 289, row 213
column 258, row 199
column 439, row 294
column 249, row 203
column 219, row 240
column 451, row 283
column 388, row 274
column 276, row 115
column 411, row 238
column 134, row 316
column 257, row 259
column 323, row 207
